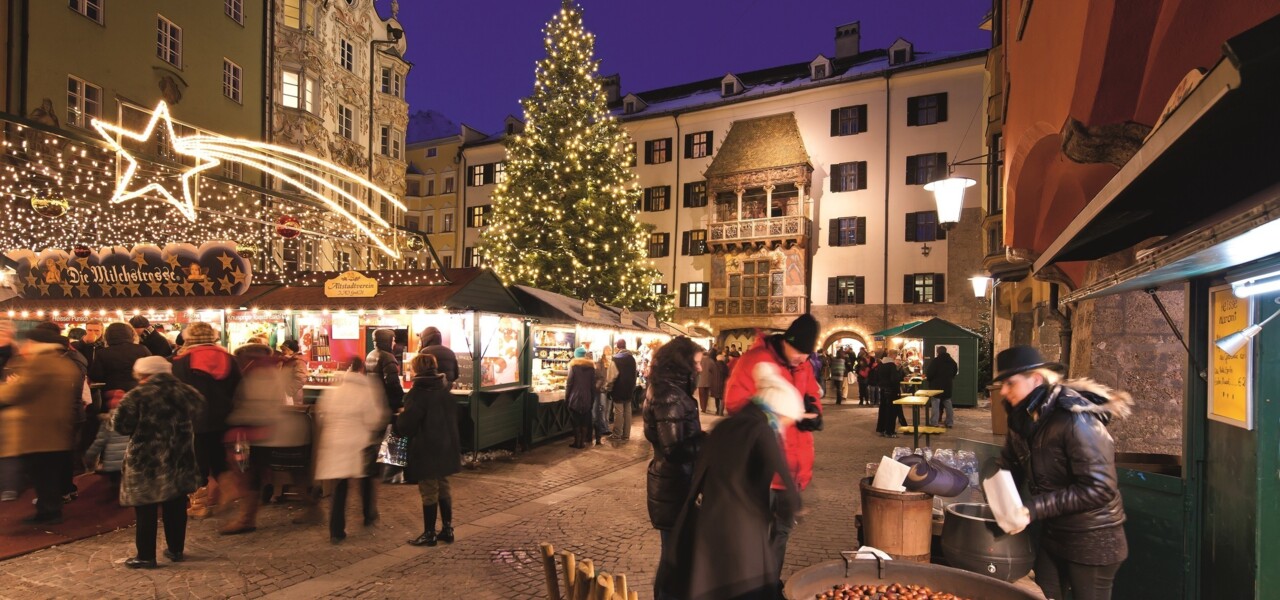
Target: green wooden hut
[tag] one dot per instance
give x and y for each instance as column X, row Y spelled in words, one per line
column 963, row 346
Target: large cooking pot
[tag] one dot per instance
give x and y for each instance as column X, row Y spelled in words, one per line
column 971, row 540
column 807, row 583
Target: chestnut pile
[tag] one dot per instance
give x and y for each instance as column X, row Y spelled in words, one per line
column 893, row 591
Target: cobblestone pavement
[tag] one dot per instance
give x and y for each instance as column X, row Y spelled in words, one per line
column 590, row 502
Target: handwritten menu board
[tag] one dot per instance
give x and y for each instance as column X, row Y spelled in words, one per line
column 1230, row 392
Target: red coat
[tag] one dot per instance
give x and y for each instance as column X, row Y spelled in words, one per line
column 796, row 445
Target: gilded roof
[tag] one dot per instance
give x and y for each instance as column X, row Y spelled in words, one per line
column 760, row 143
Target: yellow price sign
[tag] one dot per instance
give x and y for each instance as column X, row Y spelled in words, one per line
column 1229, row 376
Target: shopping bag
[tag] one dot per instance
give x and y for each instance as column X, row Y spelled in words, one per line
column 394, row 450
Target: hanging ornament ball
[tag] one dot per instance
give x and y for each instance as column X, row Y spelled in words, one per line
column 81, row 251
column 50, row 207
column 413, row 243
column 288, row 227
column 249, row 250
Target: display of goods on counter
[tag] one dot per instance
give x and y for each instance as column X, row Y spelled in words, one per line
column 893, row 591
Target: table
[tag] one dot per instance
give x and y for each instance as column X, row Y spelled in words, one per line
column 915, row 402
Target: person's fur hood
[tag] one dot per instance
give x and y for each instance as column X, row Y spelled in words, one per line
column 1089, row 396
column 584, row 361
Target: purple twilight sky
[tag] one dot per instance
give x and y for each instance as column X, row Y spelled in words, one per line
column 473, row 60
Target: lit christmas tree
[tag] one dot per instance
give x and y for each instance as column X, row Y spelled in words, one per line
column 564, row 218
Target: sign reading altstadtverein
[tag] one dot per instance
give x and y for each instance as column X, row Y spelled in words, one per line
column 351, row 285
column 145, row 270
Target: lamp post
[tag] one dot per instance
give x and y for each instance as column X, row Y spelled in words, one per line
column 980, row 284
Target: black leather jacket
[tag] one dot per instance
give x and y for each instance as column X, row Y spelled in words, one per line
column 1068, row 460
column 671, row 425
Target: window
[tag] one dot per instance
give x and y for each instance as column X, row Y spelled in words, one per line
column 478, row 216
column 658, row 289
column 924, row 168
column 899, row 56
column 412, row 188
column 659, row 245
column 500, row 172
column 923, row 227
column 232, row 170
column 657, row 151
column 411, row 223
column 697, row 145
column 657, row 198
column 234, row 9
column 849, row 120
column 629, row 106
column 750, row 291
column 471, row 257
column 295, row 13
column 923, row 288
column 91, row 9
column 391, row 141
column 995, row 185
column 695, row 194
column 478, row 175
column 392, row 83
column 347, row 55
column 448, row 261
column 446, row 223
column 693, row 294
column 819, row 71
column 431, row 187
column 231, row 74
column 297, row 90
column 448, row 185
column 346, row 122
column 850, row 176
column 431, row 152
column 847, row 231
column 168, row 41
column 728, row 88
column 927, row 110
column 846, row 290
column 84, row 101
column 694, row 243
column 429, row 226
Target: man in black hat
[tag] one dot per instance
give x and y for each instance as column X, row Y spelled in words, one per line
column 149, row 337
column 790, row 351
column 941, row 374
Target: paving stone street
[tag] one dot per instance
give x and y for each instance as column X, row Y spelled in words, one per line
column 590, row 502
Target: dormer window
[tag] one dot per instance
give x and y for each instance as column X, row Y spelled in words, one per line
column 901, row 52
column 819, row 71
column 511, row 128
column 819, row 68
column 729, row 88
column 632, row 104
column 731, row 85
column 629, row 107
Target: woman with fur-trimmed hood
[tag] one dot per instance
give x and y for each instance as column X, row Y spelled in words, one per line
column 579, row 396
column 1059, row 446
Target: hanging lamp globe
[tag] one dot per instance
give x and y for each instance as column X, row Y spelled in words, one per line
column 949, row 195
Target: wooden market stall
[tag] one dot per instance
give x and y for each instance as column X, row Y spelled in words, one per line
column 963, row 347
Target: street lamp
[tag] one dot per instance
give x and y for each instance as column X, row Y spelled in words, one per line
column 980, row 283
column 949, row 195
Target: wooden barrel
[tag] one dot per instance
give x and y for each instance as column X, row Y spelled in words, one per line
column 899, row 523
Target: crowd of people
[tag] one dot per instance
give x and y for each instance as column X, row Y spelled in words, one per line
column 189, row 429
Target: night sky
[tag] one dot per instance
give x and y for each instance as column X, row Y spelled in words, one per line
column 473, row 59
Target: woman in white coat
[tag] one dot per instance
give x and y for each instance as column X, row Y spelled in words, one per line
column 351, row 418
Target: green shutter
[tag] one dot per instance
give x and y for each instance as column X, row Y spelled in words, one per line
column 862, row 175
column 833, row 235
column 688, row 145
column 862, row 231
column 911, row 227
column 862, row 118
column 684, row 295
column 667, row 198
column 711, row 144
column 912, row 110
column 939, row 287
column 942, row 107
column 648, row 152
column 909, row 289
column 835, row 122
column 912, row 162
column 860, row 283
column 684, row 243
column 833, row 290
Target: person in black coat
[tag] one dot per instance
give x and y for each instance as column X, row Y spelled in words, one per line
column 672, row 426
column 720, row 545
column 432, row 343
column 1058, row 445
column 622, row 390
column 888, row 377
column 579, row 394
column 430, row 421
column 941, row 373
column 382, row 364
column 149, row 337
column 113, row 366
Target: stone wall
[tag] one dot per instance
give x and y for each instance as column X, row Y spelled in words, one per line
column 1124, row 342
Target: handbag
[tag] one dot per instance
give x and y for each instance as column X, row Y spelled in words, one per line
column 394, row 449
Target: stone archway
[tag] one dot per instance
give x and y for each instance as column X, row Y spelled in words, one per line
column 843, row 338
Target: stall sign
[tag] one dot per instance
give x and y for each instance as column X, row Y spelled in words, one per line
column 346, row 327
column 1230, row 388
column 351, row 285
column 145, row 270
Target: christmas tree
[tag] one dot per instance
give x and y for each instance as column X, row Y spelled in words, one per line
column 564, row 218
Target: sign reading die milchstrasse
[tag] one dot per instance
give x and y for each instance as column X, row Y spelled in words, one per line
column 145, row 270
column 351, row 285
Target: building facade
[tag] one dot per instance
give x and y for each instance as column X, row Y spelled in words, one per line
column 799, row 188
column 433, row 197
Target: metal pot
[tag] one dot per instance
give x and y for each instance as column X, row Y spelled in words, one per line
column 809, row 582
column 971, row 540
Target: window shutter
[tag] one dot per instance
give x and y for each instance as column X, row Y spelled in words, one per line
column 711, row 143
column 939, row 232
column 687, row 187
column 862, row 118
column 671, row 149
column 860, row 289
column 688, row 145
column 666, row 200
column 648, row 152
column 909, row 289
column 684, row 295
column 862, row 231
column 942, row 107
column 833, row 284
column 833, row 233
column 684, row 243
column 911, row 227
column 835, row 122
column 862, row 175
column 911, row 170
column 939, row 287
column 912, row 110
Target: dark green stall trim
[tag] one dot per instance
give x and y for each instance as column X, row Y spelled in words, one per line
column 492, row 417
column 1153, row 526
column 545, row 420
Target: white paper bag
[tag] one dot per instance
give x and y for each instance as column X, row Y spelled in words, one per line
column 890, row 475
column 1006, row 504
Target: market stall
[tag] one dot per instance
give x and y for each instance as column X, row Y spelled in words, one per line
column 962, row 344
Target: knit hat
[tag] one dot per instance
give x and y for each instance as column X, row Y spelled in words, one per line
column 776, row 394
column 580, row 352
column 43, row 335
column 292, row 345
column 802, row 334
column 139, row 322
column 150, row 365
column 199, row 333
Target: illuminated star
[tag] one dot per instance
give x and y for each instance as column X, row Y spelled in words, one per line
column 83, row 289
column 226, row 260
column 239, row 276
column 44, row 289
column 155, row 287
column 188, row 289
column 133, row 289
column 139, row 259
column 30, row 279
column 225, row 284
column 172, row 259
column 207, row 285
column 172, row 287
column 112, row 133
column 61, row 262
